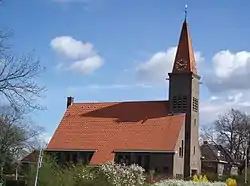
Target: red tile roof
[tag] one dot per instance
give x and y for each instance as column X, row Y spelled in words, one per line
column 106, row 127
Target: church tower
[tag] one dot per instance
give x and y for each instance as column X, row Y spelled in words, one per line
column 184, row 98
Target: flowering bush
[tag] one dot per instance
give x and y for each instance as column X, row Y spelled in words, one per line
column 200, row 178
column 231, row 182
column 81, row 173
column 188, row 183
column 122, row 175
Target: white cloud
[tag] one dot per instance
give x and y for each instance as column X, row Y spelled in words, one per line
column 230, row 71
column 87, row 65
column 211, row 108
column 226, row 79
column 157, row 67
column 72, row 48
column 85, row 59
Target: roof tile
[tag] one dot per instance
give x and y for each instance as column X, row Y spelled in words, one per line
column 106, row 127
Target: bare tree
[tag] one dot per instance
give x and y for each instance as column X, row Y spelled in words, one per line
column 18, row 77
column 17, row 134
column 232, row 131
column 208, row 133
column 19, row 90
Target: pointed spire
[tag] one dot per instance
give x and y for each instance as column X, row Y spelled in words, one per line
column 186, row 12
column 184, row 59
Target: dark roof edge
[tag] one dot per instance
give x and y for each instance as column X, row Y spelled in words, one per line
column 151, row 151
column 68, row 150
column 125, row 101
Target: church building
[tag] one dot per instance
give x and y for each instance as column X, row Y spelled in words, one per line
column 158, row 135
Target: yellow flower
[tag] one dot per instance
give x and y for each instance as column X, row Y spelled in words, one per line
column 231, row 182
column 205, row 179
column 195, row 178
column 200, row 178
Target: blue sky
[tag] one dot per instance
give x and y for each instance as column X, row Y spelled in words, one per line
column 131, row 44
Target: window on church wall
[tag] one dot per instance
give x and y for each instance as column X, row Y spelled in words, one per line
column 68, row 157
column 123, row 158
column 139, row 160
column 194, row 150
column 89, row 157
column 180, row 152
column 74, row 157
column 127, row 159
column 195, row 104
column 182, row 147
column 119, row 159
column 194, row 122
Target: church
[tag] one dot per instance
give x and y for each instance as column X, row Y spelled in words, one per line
column 160, row 136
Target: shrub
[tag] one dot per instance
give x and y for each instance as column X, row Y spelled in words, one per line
column 122, row 175
column 212, row 176
column 231, row 182
column 51, row 174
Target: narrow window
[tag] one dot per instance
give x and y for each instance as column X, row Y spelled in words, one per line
column 180, row 152
column 194, row 122
column 68, row 157
column 74, row 157
column 139, row 160
column 175, row 102
column 179, row 102
column 194, row 150
column 184, row 102
column 182, row 146
column 195, row 104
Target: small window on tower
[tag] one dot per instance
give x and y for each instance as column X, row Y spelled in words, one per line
column 194, row 122
column 175, row 102
column 184, row 102
column 195, row 104
column 194, row 150
column 179, row 102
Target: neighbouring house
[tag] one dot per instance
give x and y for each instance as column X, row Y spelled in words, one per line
column 25, row 162
column 216, row 159
column 31, row 157
column 158, row 135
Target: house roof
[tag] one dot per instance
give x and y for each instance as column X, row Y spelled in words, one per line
column 117, row 126
column 31, row 157
column 214, row 152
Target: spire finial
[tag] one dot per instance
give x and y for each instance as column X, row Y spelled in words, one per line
column 186, row 12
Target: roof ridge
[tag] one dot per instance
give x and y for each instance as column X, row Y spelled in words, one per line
column 126, row 101
column 209, row 146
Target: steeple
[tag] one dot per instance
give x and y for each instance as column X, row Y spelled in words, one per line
column 184, row 60
column 184, row 98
